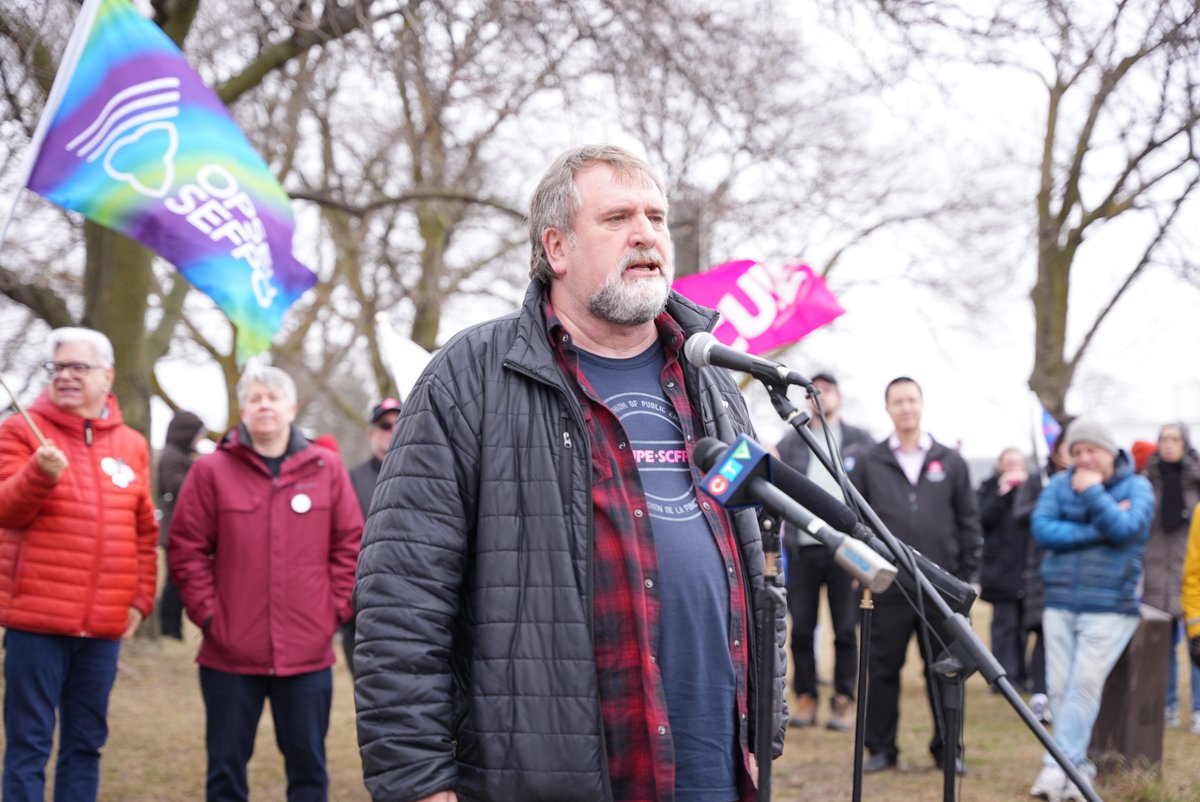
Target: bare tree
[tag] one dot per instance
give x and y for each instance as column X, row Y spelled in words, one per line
column 118, row 281
column 410, row 148
column 1121, row 107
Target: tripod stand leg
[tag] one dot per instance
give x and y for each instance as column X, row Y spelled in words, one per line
column 865, row 606
column 950, row 688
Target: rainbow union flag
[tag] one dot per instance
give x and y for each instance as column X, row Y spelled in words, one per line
column 132, row 139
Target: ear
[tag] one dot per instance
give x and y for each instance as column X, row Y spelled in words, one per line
column 555, row 243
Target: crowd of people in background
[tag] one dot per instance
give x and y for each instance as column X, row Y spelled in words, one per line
column 539, row 455
column 1070, row 550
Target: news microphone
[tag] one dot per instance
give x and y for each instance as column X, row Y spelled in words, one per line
column 740, row 477
column 704, row 350
column 959, row 595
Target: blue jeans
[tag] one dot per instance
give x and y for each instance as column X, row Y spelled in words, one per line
column 300, row 707
column 1177, row 634
column 1081, row 650
column 45, row 675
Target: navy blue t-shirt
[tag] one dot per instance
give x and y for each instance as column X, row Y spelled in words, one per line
column 693, row 648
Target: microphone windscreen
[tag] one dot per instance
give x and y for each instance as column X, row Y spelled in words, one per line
column 707, row 451
column 696, row 348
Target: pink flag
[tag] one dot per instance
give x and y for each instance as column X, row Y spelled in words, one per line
column 762, row 308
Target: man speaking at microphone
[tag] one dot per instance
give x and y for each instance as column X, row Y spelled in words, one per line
column 921, row 490
column 548, row 609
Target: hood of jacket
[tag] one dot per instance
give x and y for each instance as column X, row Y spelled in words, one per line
column 182, row 430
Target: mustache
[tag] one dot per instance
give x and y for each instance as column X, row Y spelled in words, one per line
column 642, row 257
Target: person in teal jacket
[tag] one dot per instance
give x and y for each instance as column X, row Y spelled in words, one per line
column 1092, row 522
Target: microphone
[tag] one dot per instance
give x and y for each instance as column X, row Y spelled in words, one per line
column 704, row 350
column 958, row 594
column 741, row 478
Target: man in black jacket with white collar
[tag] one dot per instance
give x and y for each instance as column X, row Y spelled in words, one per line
column 922, row 492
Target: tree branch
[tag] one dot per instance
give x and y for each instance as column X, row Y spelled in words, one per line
column 38, row 297
column 415, row 196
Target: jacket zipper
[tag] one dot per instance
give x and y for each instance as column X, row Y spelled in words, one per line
column 576, row 418
column 99, row 546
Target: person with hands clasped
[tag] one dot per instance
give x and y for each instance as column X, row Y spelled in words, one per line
column 1002, row 571
column 1092, row 521
column 77, row 566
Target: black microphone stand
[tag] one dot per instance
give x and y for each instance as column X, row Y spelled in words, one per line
column 865, row 606
column 967, row 653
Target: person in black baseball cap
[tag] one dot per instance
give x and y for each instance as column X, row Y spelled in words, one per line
column 810, row 566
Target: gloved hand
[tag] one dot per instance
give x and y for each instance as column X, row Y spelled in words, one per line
column 1194, row 650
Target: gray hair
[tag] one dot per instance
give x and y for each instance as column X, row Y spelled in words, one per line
column 556, row 200
column 101, row 345
column 271, row 376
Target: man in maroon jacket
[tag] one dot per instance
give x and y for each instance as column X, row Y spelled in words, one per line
column 263, row 549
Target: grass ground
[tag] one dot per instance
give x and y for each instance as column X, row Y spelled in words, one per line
column 155, row 751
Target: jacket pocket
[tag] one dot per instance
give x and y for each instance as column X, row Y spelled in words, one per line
column 568, row 444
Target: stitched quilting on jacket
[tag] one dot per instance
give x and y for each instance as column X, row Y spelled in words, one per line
column 474, row 653
column 1093, row 540
column 77, row 553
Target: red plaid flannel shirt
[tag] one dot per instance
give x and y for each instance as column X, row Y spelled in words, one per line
column 641, row 759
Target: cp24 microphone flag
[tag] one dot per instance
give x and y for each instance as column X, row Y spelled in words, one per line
column 762, row 308
column 132, row 139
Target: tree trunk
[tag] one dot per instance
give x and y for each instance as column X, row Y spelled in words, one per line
column 1052, row 373
column 435, row 228
column 117, row 284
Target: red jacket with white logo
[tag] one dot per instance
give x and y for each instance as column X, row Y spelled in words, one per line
column 264, row 564
column 78, row 552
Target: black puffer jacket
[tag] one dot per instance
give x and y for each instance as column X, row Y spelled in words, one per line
column 475, row 668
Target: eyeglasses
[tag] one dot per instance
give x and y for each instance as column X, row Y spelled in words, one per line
column 385, row 425
column 75, row 370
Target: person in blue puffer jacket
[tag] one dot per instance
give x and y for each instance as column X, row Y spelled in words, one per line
column 1092, row 521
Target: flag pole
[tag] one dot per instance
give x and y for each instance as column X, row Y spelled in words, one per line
column 21, row 409
column 62, row 79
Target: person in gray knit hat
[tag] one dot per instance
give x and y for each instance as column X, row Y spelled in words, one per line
column 1092, row 522
column 1089, row 430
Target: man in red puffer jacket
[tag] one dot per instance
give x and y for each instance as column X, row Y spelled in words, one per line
column 77, row 566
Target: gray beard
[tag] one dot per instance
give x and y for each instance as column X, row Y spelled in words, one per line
column 632, row 304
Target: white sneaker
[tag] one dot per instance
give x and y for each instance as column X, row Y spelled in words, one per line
column 1196, row 722
column 1171, row 718
column 1050, row 783
column 1039, row 705
column 1072, row 792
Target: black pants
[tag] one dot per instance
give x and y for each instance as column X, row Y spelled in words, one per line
column 893, row 623
column 170, row 611
column 233, row 705
column 1037, row 660
column 1009, row 638
column 808, row 568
